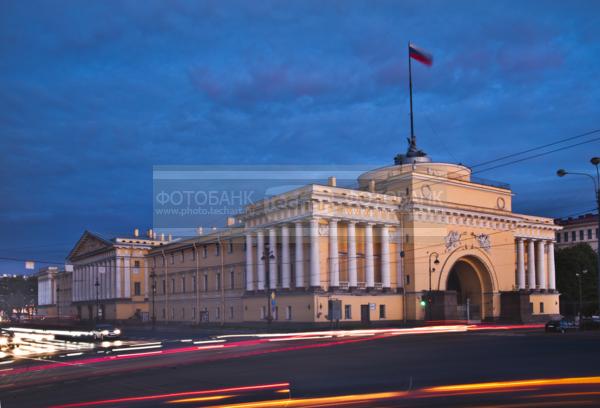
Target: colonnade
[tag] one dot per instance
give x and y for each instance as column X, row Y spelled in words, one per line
column 267, row 254
column 540, row 257
column 109, row 274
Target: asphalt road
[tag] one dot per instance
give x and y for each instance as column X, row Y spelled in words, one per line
column 320, row 367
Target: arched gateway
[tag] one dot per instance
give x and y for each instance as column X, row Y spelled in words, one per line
column 471, row 281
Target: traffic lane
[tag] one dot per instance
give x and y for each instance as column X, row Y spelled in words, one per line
column 387, row 364
column 153, row 356
column 574, row 391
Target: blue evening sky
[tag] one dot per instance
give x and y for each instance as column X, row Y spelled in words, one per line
column 94, row 93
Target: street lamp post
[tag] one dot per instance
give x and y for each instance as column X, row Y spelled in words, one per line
column 596, row 180
column 431, row 271
column 579, row 276
column 153, row 277
column 57, row 303
column 97, row 285
column 268, row 253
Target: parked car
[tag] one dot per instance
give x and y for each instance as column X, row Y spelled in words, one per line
column 590, row 323
column 563, row 325
column 106, row 331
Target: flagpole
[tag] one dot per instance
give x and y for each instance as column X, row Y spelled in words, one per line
column 412, row 129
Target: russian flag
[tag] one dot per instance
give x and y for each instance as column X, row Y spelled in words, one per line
column 420, row 55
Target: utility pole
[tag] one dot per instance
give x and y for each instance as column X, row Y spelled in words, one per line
column 595, row 161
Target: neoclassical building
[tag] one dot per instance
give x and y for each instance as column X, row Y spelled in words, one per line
column 109, row 278
column 415, row 241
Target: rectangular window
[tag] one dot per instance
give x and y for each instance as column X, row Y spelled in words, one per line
column 136, row 264
column 596, row 233
column 204, row 251
column 217, row 249
column 230, row 312
column 408, row 279
column 245, row 246
column 382, row 311
column 230, row 246
column 194, row 284
column 288, row 313
column 172, row 285
column 164, row 314
column 154, row 261
column 581, row 238
column 573, row 236
column 218, row 313
column 183, row 284
column 182, row 255
column 231, row 279
column 172, row 259
column 218, row 281
column 566, row 236
column 193, row 254
column 183, row 313
column 206, row 283
column 558, row 237
column 164, row 287
column 589, row 233
column 541, row 307
column 137, row 288
column 348, row 312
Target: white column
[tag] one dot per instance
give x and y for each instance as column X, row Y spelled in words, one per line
column 249, row 268
column 315, row 264
column 551, row 267
column 399, row 259
column 299, row 255
column 285, row 257
column 369, row 262
column 113, row 278
column 352, row 269
column 273, row 258
column 385, row 257
column 127, row 275
column 86, row 282
column 334, row 262
column 74, row 283
column 260, row 247
column 520, row 263
column 119, row 273
column 541, row 264
column 531, row 263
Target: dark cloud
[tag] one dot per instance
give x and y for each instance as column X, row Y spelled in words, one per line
column 93, row 94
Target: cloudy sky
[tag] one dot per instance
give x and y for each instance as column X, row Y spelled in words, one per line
column 93, row 94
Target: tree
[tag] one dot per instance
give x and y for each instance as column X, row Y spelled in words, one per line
column 18, row 293
column 570, row 262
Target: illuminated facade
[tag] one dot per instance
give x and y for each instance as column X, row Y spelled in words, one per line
column 109, row 276
column 580, row 230
column 414, row 241
column 54, row 292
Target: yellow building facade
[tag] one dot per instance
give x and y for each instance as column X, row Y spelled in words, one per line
column 414, row 241
column 109, row 278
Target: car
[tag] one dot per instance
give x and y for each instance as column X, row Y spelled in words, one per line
column 561, row 325
column 106, row 331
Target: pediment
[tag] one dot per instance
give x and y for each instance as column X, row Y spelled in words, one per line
column 89, row 244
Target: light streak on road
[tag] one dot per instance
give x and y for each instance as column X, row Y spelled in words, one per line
column 143, row 398
column 209, row 341
column 499, row 385
column 137, row 348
